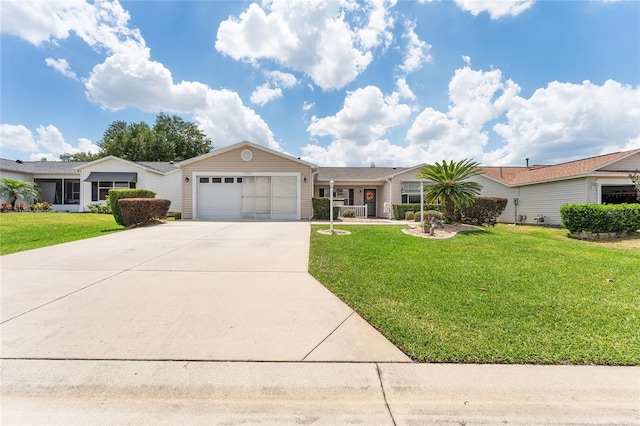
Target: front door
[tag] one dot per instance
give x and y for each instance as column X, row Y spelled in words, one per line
column 370, row 202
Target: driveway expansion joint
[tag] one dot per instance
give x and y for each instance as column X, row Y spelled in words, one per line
column 328, row 335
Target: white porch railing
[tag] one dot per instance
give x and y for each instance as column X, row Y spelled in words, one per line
column 361, row 211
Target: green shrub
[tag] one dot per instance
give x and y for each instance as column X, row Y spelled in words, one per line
column 409, row 215
column 177, row 215
column 349, row 213
column 483, row 211
column 44, row 206
column 428, row 214
column 140, row 211
column 400, row 210
column 118, row 194
column 321, row 208
column 99, row 208
column 600, row 218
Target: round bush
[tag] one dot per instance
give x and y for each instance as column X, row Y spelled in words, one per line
column 433, row 213
column 349, row 213
column 409, row 216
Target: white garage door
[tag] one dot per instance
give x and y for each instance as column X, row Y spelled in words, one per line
column 219, row 198
column 249, row 197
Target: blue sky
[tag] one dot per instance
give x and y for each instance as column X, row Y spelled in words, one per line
column 340, row 83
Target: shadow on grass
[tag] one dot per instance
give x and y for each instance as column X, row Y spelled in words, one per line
column 112, row 230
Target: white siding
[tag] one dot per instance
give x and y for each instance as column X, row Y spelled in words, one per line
column 626, row 164
column 26, row 177
column 491, row 188
column 545, row 199
column 166, row 187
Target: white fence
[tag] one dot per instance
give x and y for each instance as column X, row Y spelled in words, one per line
column 361, row 211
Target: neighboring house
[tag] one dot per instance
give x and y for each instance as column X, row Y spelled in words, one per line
column 71, row 186
column 249, row 181
column 541, row 190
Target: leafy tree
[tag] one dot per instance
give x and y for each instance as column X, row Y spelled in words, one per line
column 170, row 139
column 450, row 187
column 81, row 156
column 12, row 189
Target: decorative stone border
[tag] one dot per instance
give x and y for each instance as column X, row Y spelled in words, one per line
column 335, row 232
column 597, row 235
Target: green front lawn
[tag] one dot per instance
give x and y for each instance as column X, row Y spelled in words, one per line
column 504, row 295
column 26, row 231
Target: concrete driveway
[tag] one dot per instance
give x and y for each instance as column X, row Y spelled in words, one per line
column 185, row 290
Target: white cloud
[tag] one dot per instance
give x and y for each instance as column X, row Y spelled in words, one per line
column 416, row 53
column 473, row 95
column 306, row 106
column 17, row 137
column 62, row 66
column 48, row 143
column 381, row 152
column 102, row 25
column 443, row 137
column 313, row 37
column 85, row 145
column 264, row 94
column 495, row 8
column 565, row 121
column 283, row 79
column 226, row 121
column 403, row 89
column 377, row 31
column 357, row 131
column 365, row 116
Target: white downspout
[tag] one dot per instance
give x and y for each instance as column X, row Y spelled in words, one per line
column 313, row 191
column 390, row 196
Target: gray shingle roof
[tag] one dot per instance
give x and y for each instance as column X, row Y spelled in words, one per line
column 357, row 173
column 68, row 167
column 164, row 167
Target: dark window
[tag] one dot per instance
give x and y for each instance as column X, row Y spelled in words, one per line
column 321, row 192
column 204, row 180
column 239, row 180
column 216, row 180
column 71, row 192
column 100, row 190
column 228, row 180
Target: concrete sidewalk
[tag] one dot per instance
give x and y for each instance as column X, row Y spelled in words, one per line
column 224, row 393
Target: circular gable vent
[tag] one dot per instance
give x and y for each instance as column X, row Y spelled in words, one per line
column 246, row 155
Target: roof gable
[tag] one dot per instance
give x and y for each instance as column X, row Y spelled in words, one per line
column 240, row 145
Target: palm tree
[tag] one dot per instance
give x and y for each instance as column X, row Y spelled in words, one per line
column 11, row 190
column 450, row 187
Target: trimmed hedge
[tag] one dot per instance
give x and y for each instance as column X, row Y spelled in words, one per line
column 600, row 218
column 483, row 211
column 118, row 194
column 140, row 211
column 321, row 208
column 400, row 210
